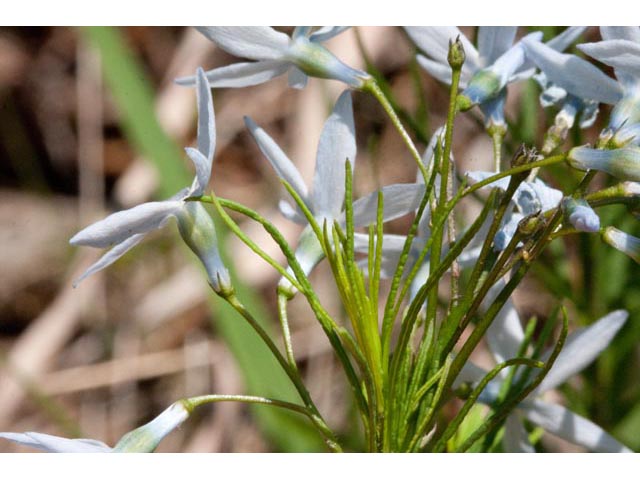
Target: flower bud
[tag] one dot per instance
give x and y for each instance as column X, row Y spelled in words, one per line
column 315, row 60
column 627, row 244
column 456, row 55
column 146, row 438
column 199, row 233
column 623, row 163
column 579, row 214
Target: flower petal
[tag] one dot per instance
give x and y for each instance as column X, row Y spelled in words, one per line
column 119, row 226
column 110, row 257
column 325, row 33
column 622, row 55
column 290, row 213
column 581, row 348
column 434, row 41
column 505, row 335
column 620, row 33
column 571, row 427
column 51, row 443
column 399, row 199
column 297, row 78
column 241, row 74
column 256, row 43
column 494, row 41
column 203, row 172
column 438, row 70
column 515, row 438
column 279, row 161
column 337, row 145
column 585, row 80
column 566, row 38
column 206, row 119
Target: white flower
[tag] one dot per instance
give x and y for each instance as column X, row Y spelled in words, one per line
column 581, row 348
column 336, row 146
column 487, row 70
column 528, row 199
column 123, row 230
column 275, row 53
column 142, row 439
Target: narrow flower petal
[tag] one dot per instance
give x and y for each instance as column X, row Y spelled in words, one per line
column 515, row 438
column 146, row 438
column 241, row 74
column 621, row 33
column 110, row 257
column 572, row 427
column 436, row 69
column 560, row 42
column 53, row 444
column 619, row 54
column 325, row 33
column 586, row 81
column 505, row 335
column 623, row 163
column 399, row 199
column 581, row 348
column 199, row 233
column 507, row 231
column 290, row 213
column 256, row 43
column 279, row 161
column 337, row 145
column 203, row 172
column 494, row 41
column 478, row 176
column 513, row 59
column 301, row 32
column 297, row 78
column 119, row 226
column 206, row 119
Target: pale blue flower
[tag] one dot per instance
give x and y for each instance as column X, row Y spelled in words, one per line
column 488, row 69
column 274, row 54
column 627, row 244
column 529, row 198
column 581, row 215
column 620, row 49
column 123, row 230
column 337, row 145
column 622, row 163
column 142, row 439
column 582, row 347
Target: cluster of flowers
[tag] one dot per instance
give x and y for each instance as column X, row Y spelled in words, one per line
column 498, row 61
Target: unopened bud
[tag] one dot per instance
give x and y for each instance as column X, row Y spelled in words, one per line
column 456, row 56
column 623, row 163
column 627, row 244
column 580, row 214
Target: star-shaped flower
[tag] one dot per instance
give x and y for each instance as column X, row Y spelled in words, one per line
column 123, row 230
column 337, row 145
column 142, row 439
column 581, row 348
column 488, row 69
column 275, row 54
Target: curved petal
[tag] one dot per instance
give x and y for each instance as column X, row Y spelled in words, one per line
column 290, row 213
column 206, row 119
column 585, row 81
column 515, row 438
column 399, row 199
column 51, row 443
column 337, row 145
column 571, row 427
column 494, row 41
column 513, row 60
column 203, row 172
column 279, row 161
column 438, row 70
column 256, row 43
column 479, row 175
column 325, row 33
column 119, row 226
column 566, row 38
column 111, row 256
column 239, row 75
column 622, row 55
column 581, row 348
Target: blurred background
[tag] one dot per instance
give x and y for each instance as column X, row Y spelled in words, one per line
column 91, row 122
